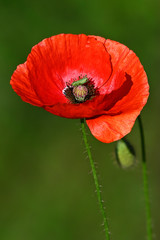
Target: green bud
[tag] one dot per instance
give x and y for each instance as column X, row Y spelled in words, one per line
column 125, row 154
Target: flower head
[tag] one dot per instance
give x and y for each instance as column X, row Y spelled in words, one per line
column 79, row 76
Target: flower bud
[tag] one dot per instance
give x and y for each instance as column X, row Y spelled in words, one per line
column 125, row 154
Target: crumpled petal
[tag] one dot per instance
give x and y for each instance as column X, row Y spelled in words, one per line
column 22, row 86
column 124, row 59
column 110, row 128
column 59, row 60
column 119, row 119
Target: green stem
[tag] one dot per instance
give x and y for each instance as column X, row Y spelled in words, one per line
column 145, row 182
column 100, row 201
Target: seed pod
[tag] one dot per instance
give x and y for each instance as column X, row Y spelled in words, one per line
column 80, row 92
column 125, row 154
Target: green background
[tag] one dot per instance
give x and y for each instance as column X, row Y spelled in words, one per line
column 46, row 189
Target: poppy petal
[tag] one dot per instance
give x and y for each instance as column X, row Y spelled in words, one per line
column 61, row 59
column 122, row 113
column 21, row 85
column 124, row 59
column 108, row 128
column 87, row 109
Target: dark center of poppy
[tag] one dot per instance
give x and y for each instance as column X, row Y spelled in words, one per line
column 80, row 91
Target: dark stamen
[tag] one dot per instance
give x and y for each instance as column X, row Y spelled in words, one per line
column 80, row 91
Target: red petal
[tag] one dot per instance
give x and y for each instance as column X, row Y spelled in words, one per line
column 120, row 117
column 87, row 109
column 60, row 59
column 124, row 59
column 22, row 86
column 111, row 128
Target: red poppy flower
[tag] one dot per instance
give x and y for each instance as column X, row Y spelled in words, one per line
column 79, row 76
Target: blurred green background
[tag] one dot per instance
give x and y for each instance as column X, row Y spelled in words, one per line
column 46, row 189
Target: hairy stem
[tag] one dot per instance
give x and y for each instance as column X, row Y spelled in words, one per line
column 145, row 183
column 98, row 191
